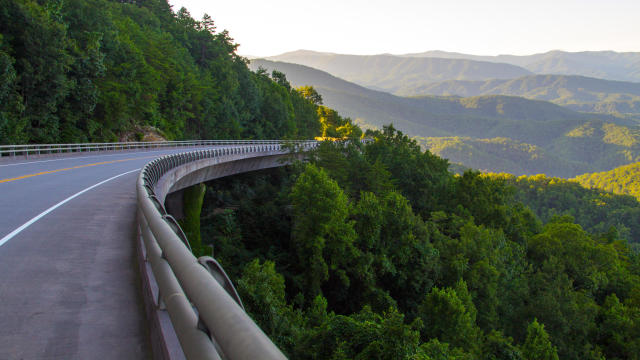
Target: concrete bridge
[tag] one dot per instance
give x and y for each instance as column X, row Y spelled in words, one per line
column 93, row 266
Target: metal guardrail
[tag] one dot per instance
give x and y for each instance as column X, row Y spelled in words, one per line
column 204, row 309
column 39, row 149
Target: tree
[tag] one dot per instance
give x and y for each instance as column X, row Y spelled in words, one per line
column 446, row 317
column 619, row 331
column 362, row 335
column 12, row 123
column 405, row 260
column 262, row 291
column 419, row 176
column 436, row 350
column 39, row 42
column 207, row 24
column 309, row 93
column 537, row 345
column 586, row 262
column 498, row 347
column 483, row 198
column 321, row 235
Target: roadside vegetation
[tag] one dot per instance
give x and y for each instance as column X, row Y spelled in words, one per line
column 378, row 251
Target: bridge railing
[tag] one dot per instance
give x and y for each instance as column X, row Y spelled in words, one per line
column 208, row 319
column 40, row 149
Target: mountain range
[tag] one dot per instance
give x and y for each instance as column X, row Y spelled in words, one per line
column 557, row 140
column 609, row 65
column 602, row 82
column 394, row 73
column 575, row 92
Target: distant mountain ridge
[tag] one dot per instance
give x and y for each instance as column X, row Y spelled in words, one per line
column 390, row 72
column 576, row 92
column 609, row 65
column 577, row 80
column 572, row 143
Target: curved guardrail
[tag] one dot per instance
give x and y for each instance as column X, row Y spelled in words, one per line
column 205, row 312
column 39, row 149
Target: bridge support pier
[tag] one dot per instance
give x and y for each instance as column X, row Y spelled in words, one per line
column 174, row 204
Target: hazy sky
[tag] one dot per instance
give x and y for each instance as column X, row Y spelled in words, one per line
column 482, row 27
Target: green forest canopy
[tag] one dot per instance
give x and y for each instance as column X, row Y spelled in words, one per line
column 100, row 70
column 377, row 251
column 597, row 211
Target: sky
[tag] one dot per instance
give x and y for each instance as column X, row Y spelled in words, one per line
column 480, row 27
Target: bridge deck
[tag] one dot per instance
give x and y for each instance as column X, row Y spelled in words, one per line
column 69, row 286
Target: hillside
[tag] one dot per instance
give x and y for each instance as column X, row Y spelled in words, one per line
column 349, row 255
column 584, row 141
column 99, row 70
column 608, row 65
column 622, row 180
column 575, row 92
column 596, row 210
column 500, row 155
column 369, row 108
column 392, row 73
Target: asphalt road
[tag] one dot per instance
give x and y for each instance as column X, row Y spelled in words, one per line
column 69, row 284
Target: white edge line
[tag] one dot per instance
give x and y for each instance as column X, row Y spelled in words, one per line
column 42, row 214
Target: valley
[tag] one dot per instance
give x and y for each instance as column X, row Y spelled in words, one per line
column 498, row 133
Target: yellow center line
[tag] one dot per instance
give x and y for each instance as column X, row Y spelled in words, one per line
column 74, row 167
